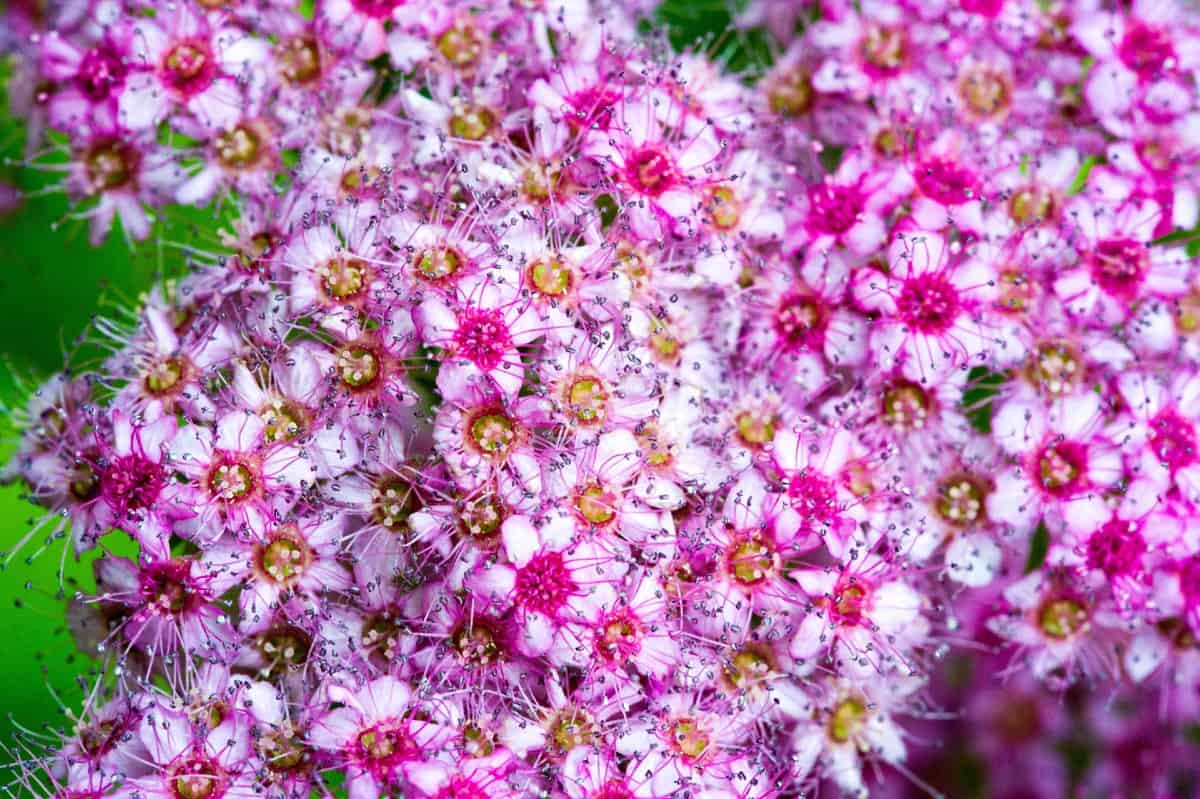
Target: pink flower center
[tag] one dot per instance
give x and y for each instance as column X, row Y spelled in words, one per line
column 1173, row 439
column 383, row 746
column 1189, row 580
column 166, row 588
column 619, row 637
column 544, row 584
column 813, row 496
column 482, row 337
column 1119, row 266
column 100, row 72
column 132, row 484
column 928, row 303
column 945, row 181
column 377, row 9
column 593, row 106
column 462, row 788
column 1145, row 50
column 850, row 603
column 1061, row 467
column 1116, row 548
column 833, row 209
column 613, row 789
column 189, row 66
column 651, row 171
column 987, row 8
column 197, row 778
column 800, row 321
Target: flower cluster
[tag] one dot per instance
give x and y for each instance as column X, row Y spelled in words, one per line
column 557, row 415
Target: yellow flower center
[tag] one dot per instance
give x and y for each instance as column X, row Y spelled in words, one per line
column 960, row 500
column 343, row 278
column 792, row 94
column 358, row 366
column 282, row 421
column 689, row 738
column 238, row 148
column 471, row 122
column 596, row 505
column 551, row 276
column 750, row 561
column 283, row 559
column 1031, row 205
column 587, row 400
column 755, row 429
column 724, row 207
column 300, row 59
column 164, row 375
column 393, row 500
column 1061, row 618
column 493, row 433
column 437, row 263
column 571, row 728
column 846, row 719
column 461, row 45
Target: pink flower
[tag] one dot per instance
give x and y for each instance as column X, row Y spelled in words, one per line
column 168, row 603
column 1058, row 625
column 816, row 466
column 849, row 723
column 179, row 63
column 280, row 561
column 378, row 735
column 193, row 759
column 234, row 475
column 92, row 79
column 864, row 618
column 133, row 475
column 802, row 327
column 1117, row 268
column 1063, row 454
column 552, row 582
column 933, row 306
column 480, row 333
column 848, row 207
column 1138, row 60
column 484, row 439
column 663, row 176
column 123, row 174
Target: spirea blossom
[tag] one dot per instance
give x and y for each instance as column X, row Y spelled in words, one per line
column 549, row 413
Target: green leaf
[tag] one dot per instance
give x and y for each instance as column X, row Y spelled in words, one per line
column 1039, row 545
column 1081, row 176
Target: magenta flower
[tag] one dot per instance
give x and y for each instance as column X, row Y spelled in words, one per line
column 481, row 333
column 179, row 61
column 234, row 475
column 934, row 305
column 378, row 735
column 663, row 177
column 551, row 581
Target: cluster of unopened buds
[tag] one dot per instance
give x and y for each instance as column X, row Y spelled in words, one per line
column 555, row 414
